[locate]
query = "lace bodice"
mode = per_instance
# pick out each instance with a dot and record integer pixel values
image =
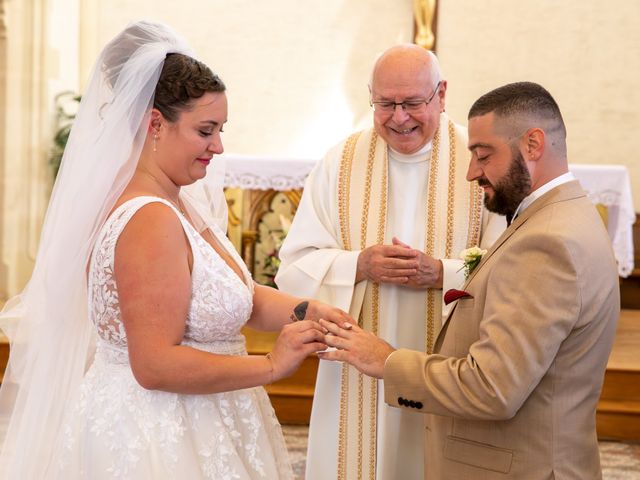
(116, 429)
(221, 302)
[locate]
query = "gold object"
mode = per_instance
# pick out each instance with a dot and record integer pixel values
(424, 13)
(451, 190)
(343, 205)
(430, 228)
(343, 200)
(475, 214)
(233, 198)
(604, 213)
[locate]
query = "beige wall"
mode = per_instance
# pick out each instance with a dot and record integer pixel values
(296, 71)
(585, 52)
(297, 74)
(25, 181)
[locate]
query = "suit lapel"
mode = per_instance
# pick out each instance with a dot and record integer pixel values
(561, 193)
(439, 339)
(566, 191)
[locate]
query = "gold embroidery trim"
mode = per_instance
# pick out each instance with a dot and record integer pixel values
(344, 188)
(343, 196)
(430, 234)
(342, 431)
(367, 191)
(373, 406)
(451, 190)
(374, 305)
(475, 214)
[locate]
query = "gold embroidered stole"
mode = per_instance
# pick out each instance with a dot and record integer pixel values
(362, 204)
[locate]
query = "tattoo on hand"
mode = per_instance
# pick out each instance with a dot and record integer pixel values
(299, 311)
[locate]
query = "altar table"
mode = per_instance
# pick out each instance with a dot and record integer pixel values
(607, 185)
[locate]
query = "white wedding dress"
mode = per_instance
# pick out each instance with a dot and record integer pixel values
(115, 429)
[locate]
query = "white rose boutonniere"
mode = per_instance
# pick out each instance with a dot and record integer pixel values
(471, 257)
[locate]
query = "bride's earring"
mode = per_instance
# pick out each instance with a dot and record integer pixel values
(155, 139)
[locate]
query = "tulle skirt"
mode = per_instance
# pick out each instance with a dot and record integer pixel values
(118, 430)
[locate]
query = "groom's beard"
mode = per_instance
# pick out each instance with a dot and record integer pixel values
(510, 189)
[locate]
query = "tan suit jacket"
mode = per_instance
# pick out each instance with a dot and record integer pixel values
(511, 391)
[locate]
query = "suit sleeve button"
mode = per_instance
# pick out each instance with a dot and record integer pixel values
(412, 404)
(418, 405)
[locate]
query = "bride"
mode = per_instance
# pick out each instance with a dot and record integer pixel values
(149, 378)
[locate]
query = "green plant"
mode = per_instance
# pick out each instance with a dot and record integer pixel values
(66, 104)
(272, 259)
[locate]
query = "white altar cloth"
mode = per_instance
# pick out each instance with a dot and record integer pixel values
(608, 185)
(264, 173)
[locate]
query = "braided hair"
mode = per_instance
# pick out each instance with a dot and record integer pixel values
(182, 80)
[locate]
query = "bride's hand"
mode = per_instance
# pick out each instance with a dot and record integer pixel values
(296, 342)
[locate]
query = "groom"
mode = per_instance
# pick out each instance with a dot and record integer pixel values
(512, 388)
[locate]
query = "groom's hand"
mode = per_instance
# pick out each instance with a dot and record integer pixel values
(357, 347)
(314, 310)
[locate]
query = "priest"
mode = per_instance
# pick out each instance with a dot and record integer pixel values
(378, 232)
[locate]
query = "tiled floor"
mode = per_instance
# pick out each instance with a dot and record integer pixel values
(296, 438)
(620, 461)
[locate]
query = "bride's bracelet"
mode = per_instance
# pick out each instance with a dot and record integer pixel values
(271, 369)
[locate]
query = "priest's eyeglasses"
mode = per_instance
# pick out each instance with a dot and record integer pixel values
(410, 106)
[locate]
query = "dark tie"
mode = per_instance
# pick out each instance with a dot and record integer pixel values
(509, 218)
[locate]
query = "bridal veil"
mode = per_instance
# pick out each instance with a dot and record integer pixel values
(47, 324)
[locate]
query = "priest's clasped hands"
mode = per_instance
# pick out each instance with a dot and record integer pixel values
(399, 264)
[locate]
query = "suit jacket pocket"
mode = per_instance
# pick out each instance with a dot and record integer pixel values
(478, 454)
(460, 331)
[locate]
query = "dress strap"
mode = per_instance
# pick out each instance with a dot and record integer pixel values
(121, 215)
(119, 218)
